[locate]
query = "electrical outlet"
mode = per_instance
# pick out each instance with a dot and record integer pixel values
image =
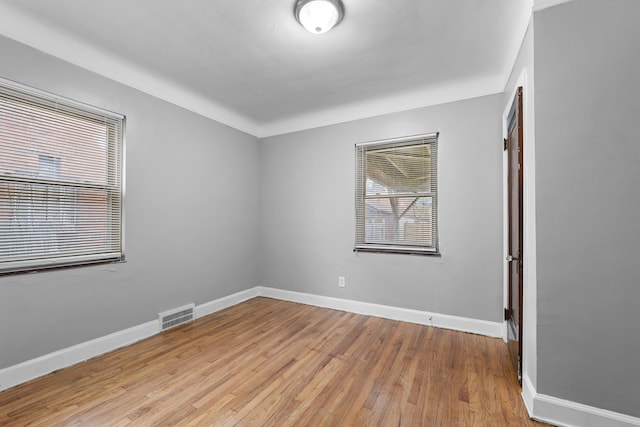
(341, 282)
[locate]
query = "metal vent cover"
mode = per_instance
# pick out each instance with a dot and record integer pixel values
(177, 316)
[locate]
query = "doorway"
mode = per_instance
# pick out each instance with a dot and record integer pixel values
(515, 168)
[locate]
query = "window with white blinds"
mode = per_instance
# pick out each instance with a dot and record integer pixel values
(397, 195)
(60, 181)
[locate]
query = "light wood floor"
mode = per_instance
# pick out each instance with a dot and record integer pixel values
(273, 363)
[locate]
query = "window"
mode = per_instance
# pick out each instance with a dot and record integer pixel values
(60, 181)
(397, 195)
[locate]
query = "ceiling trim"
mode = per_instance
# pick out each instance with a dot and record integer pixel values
(544, 4)
(59, 43)
(27, 30)
(442, 94)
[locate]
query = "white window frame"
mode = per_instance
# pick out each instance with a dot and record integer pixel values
(15, 260)
(362, 242)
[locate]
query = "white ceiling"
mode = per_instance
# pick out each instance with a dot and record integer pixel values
(249, 64)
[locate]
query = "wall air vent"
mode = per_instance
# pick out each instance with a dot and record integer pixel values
(177, 316)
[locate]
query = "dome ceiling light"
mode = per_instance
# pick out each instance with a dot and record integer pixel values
(319, 16)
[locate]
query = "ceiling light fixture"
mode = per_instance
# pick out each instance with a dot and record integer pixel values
(319, 16)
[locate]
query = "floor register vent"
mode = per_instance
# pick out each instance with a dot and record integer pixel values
(177, 316)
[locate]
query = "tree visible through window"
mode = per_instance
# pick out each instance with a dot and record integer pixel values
(396, 195)
(60, 181)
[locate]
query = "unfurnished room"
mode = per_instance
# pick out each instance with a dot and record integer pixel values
(319, 213)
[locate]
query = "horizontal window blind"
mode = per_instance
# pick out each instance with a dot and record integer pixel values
(60, 181)
(396, 195)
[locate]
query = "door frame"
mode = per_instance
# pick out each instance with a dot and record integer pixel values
(515, 290)
(529, 344)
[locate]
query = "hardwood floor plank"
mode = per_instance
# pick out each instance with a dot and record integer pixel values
(274, 363)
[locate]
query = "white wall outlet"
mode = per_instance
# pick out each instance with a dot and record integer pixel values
(341, 282)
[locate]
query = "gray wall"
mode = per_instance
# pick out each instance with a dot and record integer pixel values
(308, 217)
(190, 232)
(587, 60)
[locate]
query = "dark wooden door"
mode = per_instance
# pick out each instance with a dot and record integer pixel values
(514, 258)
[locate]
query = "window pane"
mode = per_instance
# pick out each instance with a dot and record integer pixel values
(36, 142)
(38, 221)
(405, 169)
(399, 221)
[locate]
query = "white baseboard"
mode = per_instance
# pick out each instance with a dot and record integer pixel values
(528, 393)
(34, 368)
(482, 327)
(541, 407)
(225, 302)
(566, 413)
(43, 365)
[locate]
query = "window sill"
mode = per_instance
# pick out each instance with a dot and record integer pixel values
(77, 264)
(397, 250)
